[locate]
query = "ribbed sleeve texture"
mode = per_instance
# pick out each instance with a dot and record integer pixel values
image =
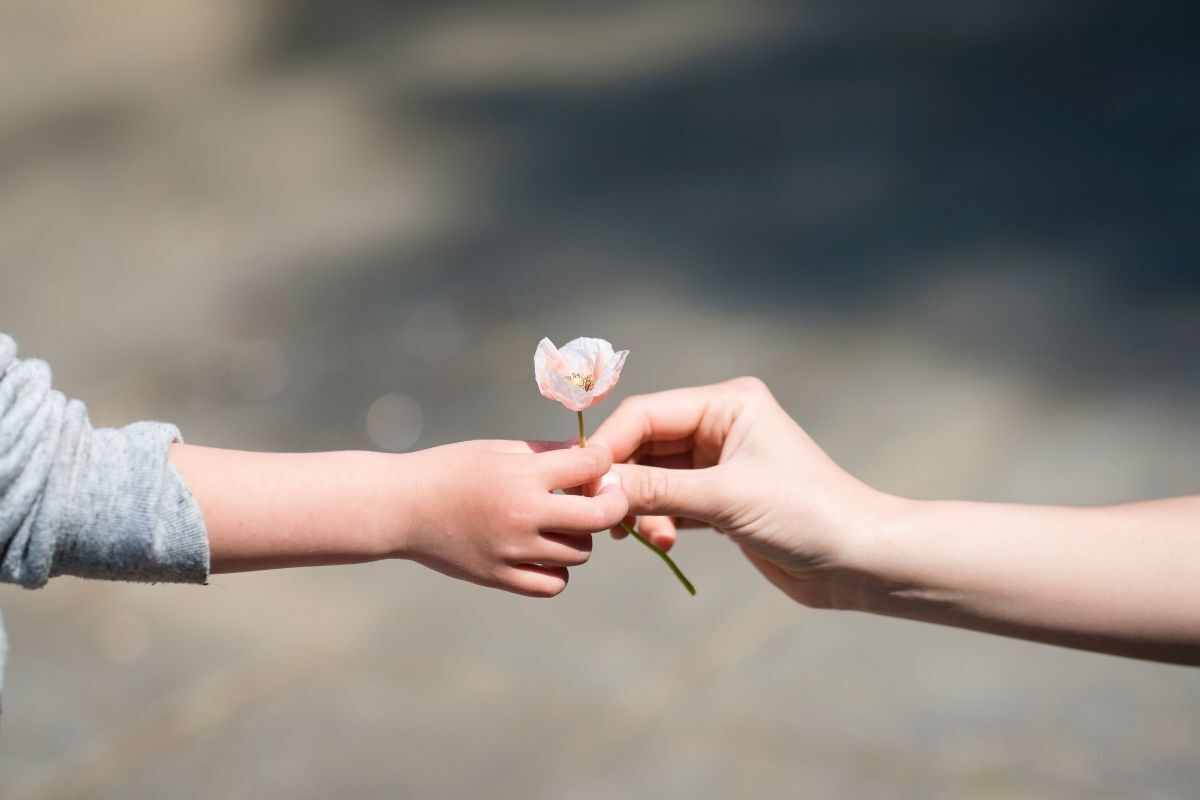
(97, 503)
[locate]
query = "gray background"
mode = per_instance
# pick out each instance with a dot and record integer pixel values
(958, 240)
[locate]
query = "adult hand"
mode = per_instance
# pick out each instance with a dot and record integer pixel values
(1119, 579)
(728, 456)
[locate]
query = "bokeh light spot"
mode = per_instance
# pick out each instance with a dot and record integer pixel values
(394, 422)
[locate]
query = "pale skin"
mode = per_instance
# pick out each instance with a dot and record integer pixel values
(481, 511)
(1122, 579)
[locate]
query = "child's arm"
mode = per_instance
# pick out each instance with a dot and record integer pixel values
(480, 511)
(111, 503)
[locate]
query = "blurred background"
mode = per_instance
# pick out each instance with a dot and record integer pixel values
(958, 239)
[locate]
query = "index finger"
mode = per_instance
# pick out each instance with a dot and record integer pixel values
(563, 468)
(673, 415)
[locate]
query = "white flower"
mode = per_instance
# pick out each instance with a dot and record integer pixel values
(579, 375)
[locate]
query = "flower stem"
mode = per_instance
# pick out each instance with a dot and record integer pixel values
(633, 532)
(661, 554)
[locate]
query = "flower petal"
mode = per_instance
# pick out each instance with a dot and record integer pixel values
(608, 375)
(585, 354)
(547, 362)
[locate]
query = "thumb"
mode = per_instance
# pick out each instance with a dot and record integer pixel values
(691, 493)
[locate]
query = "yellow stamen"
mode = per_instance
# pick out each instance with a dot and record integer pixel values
(585, 382)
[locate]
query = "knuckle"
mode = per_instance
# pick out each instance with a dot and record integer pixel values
(660, 488)
(750, 384)
(507, 552)
(631, 408)
(652, 488)
(517, 518)
(630, 403)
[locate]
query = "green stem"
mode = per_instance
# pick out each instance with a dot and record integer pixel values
(633, 532)
(661, 554)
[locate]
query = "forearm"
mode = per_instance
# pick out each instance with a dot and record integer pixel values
(1123, 579)
(269, 510)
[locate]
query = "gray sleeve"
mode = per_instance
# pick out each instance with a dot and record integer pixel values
(97, 503)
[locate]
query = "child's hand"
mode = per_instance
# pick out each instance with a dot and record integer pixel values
(485, 512)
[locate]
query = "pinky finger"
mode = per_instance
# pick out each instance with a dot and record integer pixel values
(534, 580)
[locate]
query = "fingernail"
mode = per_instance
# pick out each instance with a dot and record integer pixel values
(610, 479)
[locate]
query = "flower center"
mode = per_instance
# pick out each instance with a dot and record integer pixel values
(585, 382)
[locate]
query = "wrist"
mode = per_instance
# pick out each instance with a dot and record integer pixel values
(869, 558)
(394, 518)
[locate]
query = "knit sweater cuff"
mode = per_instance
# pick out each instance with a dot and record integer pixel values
(182, 531)
(134, 518)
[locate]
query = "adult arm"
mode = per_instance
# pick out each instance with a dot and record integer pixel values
(1121, 579)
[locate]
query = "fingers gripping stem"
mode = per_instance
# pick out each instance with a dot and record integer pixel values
(633, 532)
